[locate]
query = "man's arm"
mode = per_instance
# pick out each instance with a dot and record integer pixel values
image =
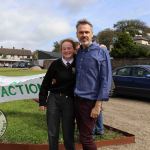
(105, 84)
(105, 76)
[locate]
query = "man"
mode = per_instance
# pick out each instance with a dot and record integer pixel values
(93, 81)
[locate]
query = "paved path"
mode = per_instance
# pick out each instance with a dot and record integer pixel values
(132, 116)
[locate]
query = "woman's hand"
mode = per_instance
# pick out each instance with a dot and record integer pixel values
(42, 108)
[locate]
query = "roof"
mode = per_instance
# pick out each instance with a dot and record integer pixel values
(143, 66)
(48, 55)
(53, 54)
(13, 51)
(137, 38)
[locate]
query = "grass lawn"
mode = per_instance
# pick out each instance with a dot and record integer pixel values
(19, 72)
(26, 124)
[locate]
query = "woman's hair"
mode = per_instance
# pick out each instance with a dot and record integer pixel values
(68, 40)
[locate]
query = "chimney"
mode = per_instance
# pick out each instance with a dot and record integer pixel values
(1, 47)
(22, 48)
(13, 47)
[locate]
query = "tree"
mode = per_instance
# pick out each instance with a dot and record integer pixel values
(106, 37)
(132, 26)
(143, 50)
(35, 55)
(124, 46)
(56, 47)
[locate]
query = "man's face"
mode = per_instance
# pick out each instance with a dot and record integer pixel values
(84, 34)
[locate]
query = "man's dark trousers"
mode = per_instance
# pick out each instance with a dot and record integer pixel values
(85, 123)
(60, 108)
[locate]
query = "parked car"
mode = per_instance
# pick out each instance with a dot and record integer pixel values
(132, 80)
(21, 64)
(24, 64)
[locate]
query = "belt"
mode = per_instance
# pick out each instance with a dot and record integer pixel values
(61, 94)
(82, 98)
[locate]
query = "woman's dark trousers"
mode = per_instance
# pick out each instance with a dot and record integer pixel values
(60, 110)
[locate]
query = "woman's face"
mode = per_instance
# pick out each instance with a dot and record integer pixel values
(67, 50)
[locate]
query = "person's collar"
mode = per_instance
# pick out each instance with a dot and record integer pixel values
(81, 47)
(69, 61)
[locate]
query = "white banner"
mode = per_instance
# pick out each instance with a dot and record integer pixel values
(18, 88)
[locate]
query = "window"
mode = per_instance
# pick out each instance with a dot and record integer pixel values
(139, 72)
(124, 71)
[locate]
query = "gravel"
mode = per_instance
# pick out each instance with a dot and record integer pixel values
(132, 116)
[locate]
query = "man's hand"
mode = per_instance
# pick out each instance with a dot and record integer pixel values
(42, 108)
(96, 110)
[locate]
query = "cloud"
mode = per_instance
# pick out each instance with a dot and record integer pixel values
(29, 28)
(75, 6)
(38, 24)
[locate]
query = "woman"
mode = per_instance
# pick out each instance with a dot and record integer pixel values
(59, 81)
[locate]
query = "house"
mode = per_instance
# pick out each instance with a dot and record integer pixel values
(45, 58)
(10, 55)
(141, 40)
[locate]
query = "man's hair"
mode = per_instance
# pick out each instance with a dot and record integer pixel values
(83, 21)
(68, 40)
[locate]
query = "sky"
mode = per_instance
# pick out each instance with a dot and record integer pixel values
(37, 24)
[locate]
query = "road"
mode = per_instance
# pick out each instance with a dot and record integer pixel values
(130, 115)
